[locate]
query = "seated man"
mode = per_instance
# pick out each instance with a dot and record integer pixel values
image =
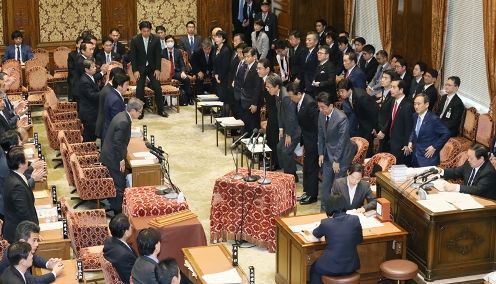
(355, 190)
(18, 51)
(21, 259)
(29, 232)
(116, 250)
(167, 272)
(143, 271)
(479, 176)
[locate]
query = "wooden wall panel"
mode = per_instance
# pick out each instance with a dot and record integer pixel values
(214, 13)
(21, 15)
(119, 14)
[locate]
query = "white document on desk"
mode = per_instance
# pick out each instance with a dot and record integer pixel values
(144, 162)
(51, 226)
(437, 205)
(40, 194)
(229, 276)
(143, 155)
(459, 200)
(366, 222)
(212, 103)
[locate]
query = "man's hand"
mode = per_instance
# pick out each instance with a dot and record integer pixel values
(52, 262)
(38, 164)
(136, 75)
(321, 160)
(157, 75)
(201, 75)
(104, 68)
(253, 108)
(38, 174)
(122, 166)
(23, 121)
(406, 150)
(57, 269)
(360, 210)
(287, 141)
(316, 84)
(20, 107)
(429, 152)
(217, 79)
(380, 135)
(450, 187)
(369, 90)
(281, 133)
(335, 167)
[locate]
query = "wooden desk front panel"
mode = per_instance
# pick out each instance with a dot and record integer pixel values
(55, 249)
(148, 175)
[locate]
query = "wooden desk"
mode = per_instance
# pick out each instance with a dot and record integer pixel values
(294, 255)
(143, 175)
(446, 244)
(68, 275)
(54, 245)
(209, 259)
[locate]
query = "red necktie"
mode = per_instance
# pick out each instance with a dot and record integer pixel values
(395, 108)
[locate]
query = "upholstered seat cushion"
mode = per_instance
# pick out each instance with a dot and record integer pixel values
(347, 279)
(399, 269)
(90, 257)
(142, 201)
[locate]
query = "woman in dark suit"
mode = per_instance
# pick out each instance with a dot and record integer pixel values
(342, 233)
(221, 62)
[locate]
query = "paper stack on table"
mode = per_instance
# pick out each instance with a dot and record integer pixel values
(459, 200)
(366, 222)
(211, 97)
(226, 277)
(399, 173)
(51, 226)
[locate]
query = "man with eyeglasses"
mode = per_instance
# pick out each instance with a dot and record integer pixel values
(325, 75)
(451, 108)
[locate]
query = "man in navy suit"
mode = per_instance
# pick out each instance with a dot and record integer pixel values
(310, 63)
(352, 72)
(18, 51)
(117, 46)
(19, 254)
(143, 271)
(269, 19)
(428, 136)
(190, 42)
(116, 249)
(114, 101)
(100, 120)
(174, 55)
(355, 190)
(401, 69)
(106, 55)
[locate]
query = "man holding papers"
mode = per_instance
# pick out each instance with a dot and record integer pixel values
(479, 176)
(355, 190)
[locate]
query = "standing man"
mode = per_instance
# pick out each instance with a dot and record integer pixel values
(190, 42)
(88, 99)
(401, 69)
(114, 149)
(269, 19)
(296, 56)
(335, 148)
(18, 51)
(100, 120)
(428, 136)
(114, 101)
(428, 88)
(145, 63)
(418, 78)
(282, 59)
(117, 46)
(71, 70)
(368, 62)
(325, 75)
(353, 73)
(374, 87)
(251, 89)
(310, 62)
(307, 116)
(451, 107)
(320, 26)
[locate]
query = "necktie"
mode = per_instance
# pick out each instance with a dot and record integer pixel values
(248, 10)
(173, 66)
(471, 178)
(308, 55)
(162, 43)
(18, 53)
(395, 108)
(240, 10)
(327, 121)
(108, 58)
(264, 16)
(146, 45)
(445, 106)
(114, 47)
(417, 127)
(191, 41)
(347, 73)
(351, 102)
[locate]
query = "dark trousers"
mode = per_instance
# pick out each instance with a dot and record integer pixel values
(251, 120)
(272, 140)
(311, 172)
(120, 184)
(285, 156)
(155, 85)
(88, 130)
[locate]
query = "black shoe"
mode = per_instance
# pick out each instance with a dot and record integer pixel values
(303, 196)
(308, 200)
(296, 178)
(191, 102)
(163, 113)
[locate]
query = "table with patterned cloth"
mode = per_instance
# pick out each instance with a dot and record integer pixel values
(247, 210)
(142, 201)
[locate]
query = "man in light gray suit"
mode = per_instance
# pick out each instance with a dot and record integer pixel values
(143, 271)
(355, 190)
(374, 87)
(336, 150)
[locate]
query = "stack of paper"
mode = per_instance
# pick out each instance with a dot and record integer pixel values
(235, 122)
(145, 155)
(40, 194)
(304, 227)
(211, 103)
(230, 276)
(436, 205)
(135, 163)
(51, 226)
(135, 132)
(461, 201)
(210, 97)
(399, 173)
(366, 222)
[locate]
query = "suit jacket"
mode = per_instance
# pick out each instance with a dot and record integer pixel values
(143, 271)
(101, 109)
(310, 63)
(6, 124)
(342, 234)
(119, 49)
(221, 63)
(88, 97)
(286, 116)
(431, 91)
(408, 81)
(185, 45)
(270, 24)
(335, 140)
(71, 70)
(297, 61)
(357, 78)
(366, 111)
(121, 256)
(139, 56)
(336, 57)
(369, 68)
(385, 109)
(452, 117)
(26, 52)
(38, 261)
(199, 62)
(326, 75)
(432, 133)
(178, 59)
(9, 111)
(375, 83)
(414, 86)
(484, 183)
(114, 103)
(261, 43)
(101, 57)
(401, 128)
(251, 88)
(12, 276)
(362, 193)
(308, 117)
(19, 204)
(114, 148)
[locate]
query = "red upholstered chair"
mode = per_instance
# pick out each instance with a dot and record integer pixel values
(469, 129)
(60, 72)
(386, 159)
(37, 84)
(449, 152)
(485, 130)
(363, 146)
(3, 247)
(54, 127)
(169, 86)
(109, 273)
(13, 67)
(54, 106)
(131, 93)
(88, 230)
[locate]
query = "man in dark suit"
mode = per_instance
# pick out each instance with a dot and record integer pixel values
(428, 136)
(21, 259)
(297, 55)
(116, 249)
(368, 63)
(251, 88)
(353, 73)
(428, 88)
(101, 101)
(18, 51)
(355, 190)
(17, 195)
(479, 176)
(385, 102)
(145, 62)
(359, 44)
(320, 26)
(178, 71)
(361, 110)
(325, 75)
(202, 65)
(237, 70)
(401, 69)
(190, 42)
(107, 55)
(336, 55)
(29, 232)
(344, 45)
(374, 87)
(307, 116)
(451, 107)
(143, 271)
(114, 148)
(418, 78)
(310, 62)
(336, 150)
(7, 124)
(400, 124)
(269, 19)
(88, 99)
(71, 69)
(87, 50)
(250, 9)
(117, 46)
(114, 101)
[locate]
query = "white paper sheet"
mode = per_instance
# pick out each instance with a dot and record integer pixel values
(366, 222)
(51, 226)
(135, 163)
(230, 276)
(143, 155)
(436, 205)
(40, 194)
(461, 201)
(213, 103)
(304, 227)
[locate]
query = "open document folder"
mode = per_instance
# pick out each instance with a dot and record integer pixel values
(230, 276)
(448, 201)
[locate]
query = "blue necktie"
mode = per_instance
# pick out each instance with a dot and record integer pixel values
(417, 127)
(240, 10)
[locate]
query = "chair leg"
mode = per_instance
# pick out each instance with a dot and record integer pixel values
(79, 203)
(58, 162)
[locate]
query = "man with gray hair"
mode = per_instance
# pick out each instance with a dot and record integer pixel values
(114, 148)
(202, 64)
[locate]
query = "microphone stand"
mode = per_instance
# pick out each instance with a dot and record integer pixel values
(264, 180)
(249, 177)
(237, 175)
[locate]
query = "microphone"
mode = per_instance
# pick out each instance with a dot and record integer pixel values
(260, 131)
(239, 139)
(153, 148)
(252, 134)
(158, 155)
(432, 170)
(431, 180)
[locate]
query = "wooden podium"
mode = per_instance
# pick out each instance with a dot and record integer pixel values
(143, 175)
(443, 244)
(294, 255)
